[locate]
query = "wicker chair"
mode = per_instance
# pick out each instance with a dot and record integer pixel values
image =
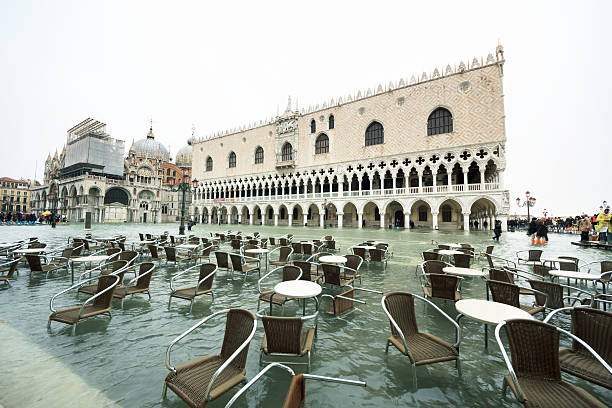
(110, 268)
(272, 241)
(307, 249)
(204, 379)
(421, 348)
(431, 256)
(62, 259)
(239, 265)
(343, 301)
(290, 272)
(283, 241)
(331, 245)
(535, 374)
(206, 250)
(297, 248)
(9, 267)
(379, 255)
(532, 256)
(361, 252)
(441, 286)
(286, 336)
(77, 249)
(143, 280)
(353, 263)
(154, 251)
(307, 273)
(284, 255)
(236, 244)
(172, 257)
(296, 394)
(595, 328)
(554, 298)
(222, 260)
(335, 275)
(462, 260)
(203, 286)
(38, 264)
(509, 293)
(100, 303)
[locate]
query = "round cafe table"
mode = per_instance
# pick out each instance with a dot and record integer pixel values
(86, 259)
(487, 312)
(453, 245)
(333, 259)
(574, 275)
(449, 252)
(29, 251)
(465, 272)
(259, 252)
(298, 289)
(366, 247)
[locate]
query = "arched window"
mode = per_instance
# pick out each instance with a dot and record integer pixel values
(330, 124)
(287, 152)
(313, 126)
(232, 160)
(209, 163)
(322, 144)
(374, 134)
(447, 214)
(440, 121)
(259, 155)
(168, 172)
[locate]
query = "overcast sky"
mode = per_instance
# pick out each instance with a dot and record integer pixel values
(218, 65)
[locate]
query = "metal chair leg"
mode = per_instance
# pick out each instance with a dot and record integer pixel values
(74, 329)
(387, 348)
(169, 301)
(191, 305)
(164, 390)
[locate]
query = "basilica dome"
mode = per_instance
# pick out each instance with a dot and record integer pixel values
(184, 155)
(150, 147)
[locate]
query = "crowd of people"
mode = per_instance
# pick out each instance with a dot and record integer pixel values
(19, 218)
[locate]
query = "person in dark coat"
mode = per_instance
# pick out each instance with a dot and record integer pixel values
(532, 227)
(541, 230)
(497, 230)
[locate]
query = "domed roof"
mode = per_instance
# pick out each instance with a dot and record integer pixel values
(184, 155)
(150, 147)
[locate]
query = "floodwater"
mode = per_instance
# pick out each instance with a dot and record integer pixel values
(120, 361)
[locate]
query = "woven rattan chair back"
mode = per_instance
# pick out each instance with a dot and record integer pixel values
(170, 253)
(236, 262)
(296, 393)
(361, 252)
(36, 245)
(222, 261)
(431, 256)
(104, 301)
(206, 250)
(534, 347)
(571, 265)
(205, 270)
(77, 248)
(307, 249)
(66, 252)
(434, 267)
(291, 272)
(489, 250)
(306, 268)
(503, 292)
(297, 247)
(141, 236)
(377, 255)
(401, 307)
(353, 261)
(462, 260)
(328, 238)
(331, 244)
(541, 270)
(272, 241)
(594, 326)
(443, 286)
(113, 251)
(153, 251)
(129, 256)
(442, 246)
(253, 242)
(238, 327)
(283, 241)
(284, 254)
(144, 278)
(534, 255)
(34, 263)
(331, 273)
(236, 244)
(283, 334)
(342, 305)
(149, 237)
(552, 289)
(500, 275)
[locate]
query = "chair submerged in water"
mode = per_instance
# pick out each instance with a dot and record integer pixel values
(199, 381)
(296, 394)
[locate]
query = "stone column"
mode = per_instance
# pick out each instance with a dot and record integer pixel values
(382, 221)
(420, 182)
(407, 220)
(434, 215)
(500, 180)
(435, 180)
(340, 219)
(466, 221)
(251, 215)
(359, 220)
(321, 220)
(448, 179)
(465, 178)
(340, 187)
(504, 221)
(290, 216)
(482, 179)
(239, 218)
(275, 219)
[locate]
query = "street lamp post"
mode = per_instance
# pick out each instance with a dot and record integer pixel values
(183, 188)
(529, 202)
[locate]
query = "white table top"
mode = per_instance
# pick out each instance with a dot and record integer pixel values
(105, 239)
(257, 251)
(368, 247)
(552, 259)
(7, 245)
(449, 252)
(180, 236)
(300, 289)
(91, 258)
(489, 312)
(453, 245)
(452, 270)
(29, 251)
(187, 246)
(147, 242)
(574, 275)
(335, 259)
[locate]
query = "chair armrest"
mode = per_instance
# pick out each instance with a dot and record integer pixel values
(182, 273)
(138, 276)
(453, 322)
(76, 285)
(185, 333)
(265, 276)
(519, 391)
(394, 324)
(111, 287)
(204, 279)
(255, 379)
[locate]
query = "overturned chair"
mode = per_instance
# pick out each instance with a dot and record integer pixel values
(9, 267)
(99, 303)
(203, 286)
(296, 394)
(346, 300)
(199, 381)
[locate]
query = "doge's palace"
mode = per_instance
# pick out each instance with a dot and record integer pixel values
(427, 152)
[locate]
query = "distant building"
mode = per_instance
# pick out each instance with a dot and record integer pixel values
(93, 174)
(15, 195)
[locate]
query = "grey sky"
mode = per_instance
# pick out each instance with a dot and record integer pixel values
(223, 64)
